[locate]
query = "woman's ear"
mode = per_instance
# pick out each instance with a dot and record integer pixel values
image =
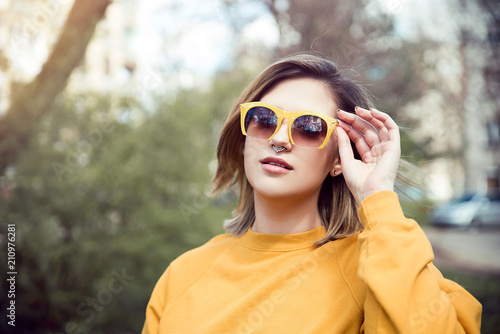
(336, 167)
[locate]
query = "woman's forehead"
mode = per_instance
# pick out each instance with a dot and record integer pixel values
(302, 94)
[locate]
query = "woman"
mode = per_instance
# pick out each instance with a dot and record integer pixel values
(319, 243)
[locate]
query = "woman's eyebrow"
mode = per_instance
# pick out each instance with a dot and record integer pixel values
(305, 110)
(275, 105)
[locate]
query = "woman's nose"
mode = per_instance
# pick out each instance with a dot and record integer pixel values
(281, 137)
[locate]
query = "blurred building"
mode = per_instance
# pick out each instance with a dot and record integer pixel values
(110, 62)
(460, 116)
(481, 51)
(492, 81)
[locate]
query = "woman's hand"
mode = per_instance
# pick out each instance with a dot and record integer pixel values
(377, 141)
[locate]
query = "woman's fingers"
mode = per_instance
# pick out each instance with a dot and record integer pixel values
(363, 134)
(357, 138)
(345, 150)
(374, 122)
(368, 129)
(376, 138)
(360, 124)
(375, 125)
(388, 124)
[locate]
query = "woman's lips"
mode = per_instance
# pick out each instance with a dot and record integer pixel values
(275, 165)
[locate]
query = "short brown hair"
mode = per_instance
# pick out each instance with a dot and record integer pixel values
(336, 205)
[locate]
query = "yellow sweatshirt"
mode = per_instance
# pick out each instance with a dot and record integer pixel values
(379, 281)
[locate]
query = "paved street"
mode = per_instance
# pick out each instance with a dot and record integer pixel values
(473, 251)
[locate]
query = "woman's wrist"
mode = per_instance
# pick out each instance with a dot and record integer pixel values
(362, 194)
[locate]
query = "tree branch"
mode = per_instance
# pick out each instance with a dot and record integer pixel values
(30, 101)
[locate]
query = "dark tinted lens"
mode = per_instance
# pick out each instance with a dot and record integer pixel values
(260, 122)
(309, 130)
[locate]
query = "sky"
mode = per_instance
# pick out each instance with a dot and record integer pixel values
(198, 33)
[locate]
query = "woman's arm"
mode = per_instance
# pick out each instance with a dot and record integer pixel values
(406, 293)
(156, 305)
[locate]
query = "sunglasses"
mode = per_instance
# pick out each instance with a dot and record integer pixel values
(306, 128)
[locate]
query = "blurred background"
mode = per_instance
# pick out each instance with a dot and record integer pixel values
(110, 112)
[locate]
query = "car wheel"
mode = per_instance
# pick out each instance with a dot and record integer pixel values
(475, 224)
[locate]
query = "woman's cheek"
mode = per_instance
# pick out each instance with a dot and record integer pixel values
(250, 158)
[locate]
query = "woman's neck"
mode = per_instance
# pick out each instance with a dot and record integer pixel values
(293, 215)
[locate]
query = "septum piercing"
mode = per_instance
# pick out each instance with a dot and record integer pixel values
(279, 149)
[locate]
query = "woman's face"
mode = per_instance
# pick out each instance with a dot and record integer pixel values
(308, 166)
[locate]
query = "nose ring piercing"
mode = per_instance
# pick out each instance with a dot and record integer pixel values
(278, 149)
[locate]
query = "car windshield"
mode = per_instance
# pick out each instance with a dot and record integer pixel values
(463, 198)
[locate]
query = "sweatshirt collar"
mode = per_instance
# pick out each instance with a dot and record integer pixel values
(281, 242)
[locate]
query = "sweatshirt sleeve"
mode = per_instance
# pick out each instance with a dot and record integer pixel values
(406, 293)
(156, 305)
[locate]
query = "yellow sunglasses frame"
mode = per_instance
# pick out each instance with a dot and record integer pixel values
(291, 116)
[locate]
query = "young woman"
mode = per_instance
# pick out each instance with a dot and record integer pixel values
(319, 243)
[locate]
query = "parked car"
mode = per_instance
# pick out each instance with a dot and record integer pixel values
(471, 210)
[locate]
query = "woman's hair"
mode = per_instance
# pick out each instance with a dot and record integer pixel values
(336, 205)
